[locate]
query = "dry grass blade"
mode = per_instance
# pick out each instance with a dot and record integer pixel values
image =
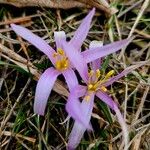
(64, 4)
(3, 123)
(20, 127)
(19, 20)
(136, 141)
(129, 8)
(143, 8)
(101, 5)
(30, 139)
(140, 108)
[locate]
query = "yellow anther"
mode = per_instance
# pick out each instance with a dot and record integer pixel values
(96, 80)
(62, 64)
(90, 87)
(58, 65)
(109, 74)
(104, 89)
(98, 73)
(55, 54)
(62, 61)
(65, 63)
(87, 98)
(60, 51)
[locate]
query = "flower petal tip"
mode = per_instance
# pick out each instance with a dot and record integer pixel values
(15, 27)
(70, 148)
(93, 9)
(38, 110)
(92, 12)
(39, 113)
(60, 34)
(12, 24)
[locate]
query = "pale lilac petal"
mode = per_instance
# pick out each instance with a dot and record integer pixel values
(108, 100)
(82, 31)
(80, 90)
(91, 55)
(43, 89)
(76, 136)
(87, 106)
(124, 127)
(96, 63)
(77, 60)
(35, 40)
(74, 109)
(78, 129)
(70, 78)
(59, 37)
(115, 78)
(120, 75)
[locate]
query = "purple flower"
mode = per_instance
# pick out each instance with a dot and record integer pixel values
(96, 85)
(62, 64)
(62, 59)
(67, 56)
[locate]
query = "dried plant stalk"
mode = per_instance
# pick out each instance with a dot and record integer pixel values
(100, 4)
(64, 4)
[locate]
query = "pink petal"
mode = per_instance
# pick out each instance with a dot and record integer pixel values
(124, 127)
(74, 108)
(43, 89)
(38, 42)
(120, 75)
(80, 91)
(59, 37)
(79, 129)
(96, 63)
(91, 55)
(106, 99)
(77, 60)
(76, 135)
(82, 31)
(70, 78)
(87, 106)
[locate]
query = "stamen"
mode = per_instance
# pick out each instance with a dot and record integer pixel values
(58, 65)
(104, 89)
(96, 80)
(109, 74)
(90, 86)
(60, 51)
(65, 63)
(55, 55)
(98, 73)
(62, 61)
(87, 98)
(62, 64)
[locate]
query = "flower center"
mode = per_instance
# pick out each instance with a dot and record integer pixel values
(96, 79)
(62, 62)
